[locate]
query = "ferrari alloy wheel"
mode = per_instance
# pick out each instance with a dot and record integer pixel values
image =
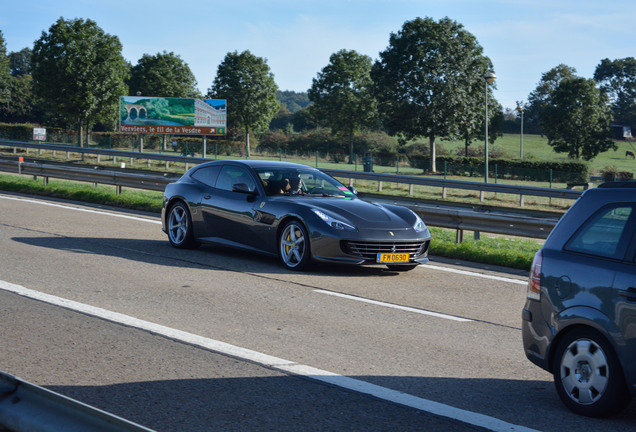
(293, 246)
(587, 375)
(180, 227)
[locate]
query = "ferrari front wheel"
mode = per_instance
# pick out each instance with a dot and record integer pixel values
(293, 246)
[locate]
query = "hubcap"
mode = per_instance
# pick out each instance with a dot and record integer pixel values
(584, 371)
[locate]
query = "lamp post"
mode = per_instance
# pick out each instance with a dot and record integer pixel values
(489, 78)
(520, 111)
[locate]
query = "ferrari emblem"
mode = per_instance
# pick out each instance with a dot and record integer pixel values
(262, 204)
(391, 232)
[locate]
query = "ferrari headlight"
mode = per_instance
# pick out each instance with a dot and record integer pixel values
(334, 223)
(419, 225)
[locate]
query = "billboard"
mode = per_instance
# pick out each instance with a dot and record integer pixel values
(178, 116)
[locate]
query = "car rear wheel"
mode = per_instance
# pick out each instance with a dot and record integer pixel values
(180, 231)
(588, 376)
(293, 246)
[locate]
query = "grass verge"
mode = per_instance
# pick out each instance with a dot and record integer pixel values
(129, 199)
(494, 250)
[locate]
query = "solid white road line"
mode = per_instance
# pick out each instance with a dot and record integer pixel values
(155, 221)
(282, 365)
(475, 274)
(80, 209)
(393, 306)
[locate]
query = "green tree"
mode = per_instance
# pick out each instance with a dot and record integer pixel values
(16, 102)
(247, 84)
(163, 75)
(471, 117)
(293, 101)
(429, 79)
(78, 74)
(617, 79)
(539, 98)
(20, 62)
(5, 79)
(20, 107)
(577, 119)
(4, 58)
(342, 95)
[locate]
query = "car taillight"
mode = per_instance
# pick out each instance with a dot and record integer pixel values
(534, 283)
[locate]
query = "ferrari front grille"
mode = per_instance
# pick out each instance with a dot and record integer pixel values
(370, 249)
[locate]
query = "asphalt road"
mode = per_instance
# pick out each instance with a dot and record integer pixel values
(96, 305)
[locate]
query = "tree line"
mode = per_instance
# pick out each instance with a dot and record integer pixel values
(428, 84)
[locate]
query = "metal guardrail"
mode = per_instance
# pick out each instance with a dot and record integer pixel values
(97, 176)
(481, 220)
(25, 407)
(458, 184)
(444, 184)
(460, 219)
(104, 152)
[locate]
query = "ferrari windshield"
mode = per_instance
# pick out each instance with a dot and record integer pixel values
(300, 181)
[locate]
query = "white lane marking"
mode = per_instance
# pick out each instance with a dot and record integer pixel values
(46, 203)
(426, 266)
(276, 363)
(394, 306)
(469, 273)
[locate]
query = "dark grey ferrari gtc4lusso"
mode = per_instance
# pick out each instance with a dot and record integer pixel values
(292, 211)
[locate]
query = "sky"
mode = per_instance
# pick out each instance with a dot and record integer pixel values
(523, 39)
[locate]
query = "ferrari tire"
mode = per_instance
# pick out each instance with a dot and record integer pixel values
(587, 375)
(293, 246)
(179, 224)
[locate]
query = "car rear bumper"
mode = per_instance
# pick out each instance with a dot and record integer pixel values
(536, 336)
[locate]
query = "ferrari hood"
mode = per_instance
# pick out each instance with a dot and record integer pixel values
(359, 213)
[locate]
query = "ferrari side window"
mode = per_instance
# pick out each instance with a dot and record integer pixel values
(231, 175)
(207, 175)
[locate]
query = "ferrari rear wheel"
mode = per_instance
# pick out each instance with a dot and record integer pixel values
(180, 231)
(293, 246)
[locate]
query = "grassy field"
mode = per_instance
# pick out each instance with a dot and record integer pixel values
(535, 147)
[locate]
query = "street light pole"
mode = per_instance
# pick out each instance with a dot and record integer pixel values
(489, 78)
(520, 110)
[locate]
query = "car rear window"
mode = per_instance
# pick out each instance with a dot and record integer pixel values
(604, 234)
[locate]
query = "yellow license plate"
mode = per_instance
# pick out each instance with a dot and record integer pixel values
(393, 257)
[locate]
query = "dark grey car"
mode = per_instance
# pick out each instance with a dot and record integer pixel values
(579, 320)
(292, 211)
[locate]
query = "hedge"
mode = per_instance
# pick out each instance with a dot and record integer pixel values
(545, 171)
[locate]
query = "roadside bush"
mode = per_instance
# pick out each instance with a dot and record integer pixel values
(561, 172)
(612, 174)
(273, 141)
(24, 132)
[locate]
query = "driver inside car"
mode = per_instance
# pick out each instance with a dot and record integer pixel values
(292, 186)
